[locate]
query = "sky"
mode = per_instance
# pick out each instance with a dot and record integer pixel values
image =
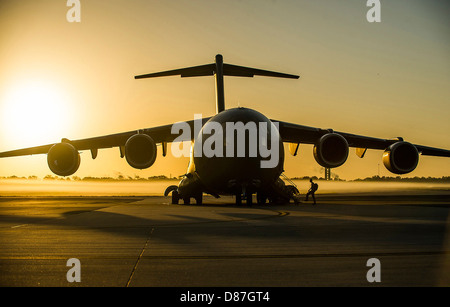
(74, 80)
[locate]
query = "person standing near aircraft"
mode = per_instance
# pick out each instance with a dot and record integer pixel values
(312, 190)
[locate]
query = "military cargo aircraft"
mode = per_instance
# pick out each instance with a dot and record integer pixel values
(238, 151)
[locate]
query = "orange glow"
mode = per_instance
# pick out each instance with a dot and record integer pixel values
(75, 80)
(34, 112)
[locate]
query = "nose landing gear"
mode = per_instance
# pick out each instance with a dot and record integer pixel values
(248, 196)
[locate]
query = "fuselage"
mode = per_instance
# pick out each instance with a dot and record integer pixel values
(237, 151)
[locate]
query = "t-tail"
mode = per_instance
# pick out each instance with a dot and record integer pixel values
(218, 69)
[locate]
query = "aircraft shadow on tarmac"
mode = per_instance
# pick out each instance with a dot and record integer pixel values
(255, 224)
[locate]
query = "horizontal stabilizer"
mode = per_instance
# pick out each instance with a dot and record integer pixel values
(196, 71)
(210, 69)
(240, 71)
(218, 69)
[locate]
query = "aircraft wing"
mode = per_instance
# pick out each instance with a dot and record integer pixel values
(293, 133)
(290, 133)
(160, 134)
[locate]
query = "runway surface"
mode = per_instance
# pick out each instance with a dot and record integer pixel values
(145, 241)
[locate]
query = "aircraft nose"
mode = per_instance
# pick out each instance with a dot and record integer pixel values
(236, 147)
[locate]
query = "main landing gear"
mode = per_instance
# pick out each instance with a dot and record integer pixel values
(187, 200)
(261, 199)
(176, 196)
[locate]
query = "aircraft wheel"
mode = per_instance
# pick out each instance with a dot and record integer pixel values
(261, 199)
(199, 199)
(249, 199)
(175, 197)
(238, 199)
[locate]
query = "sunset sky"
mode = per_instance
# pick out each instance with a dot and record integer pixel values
(75, 80)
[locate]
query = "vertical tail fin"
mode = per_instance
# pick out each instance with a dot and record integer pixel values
(218, 69)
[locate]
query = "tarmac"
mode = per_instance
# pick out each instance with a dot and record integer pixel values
(148, 242)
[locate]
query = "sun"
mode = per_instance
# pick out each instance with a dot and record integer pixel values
(34, 113)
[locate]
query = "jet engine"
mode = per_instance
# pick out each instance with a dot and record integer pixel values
(401, 158)
(331, 150)
(63, 159)
(140, 151)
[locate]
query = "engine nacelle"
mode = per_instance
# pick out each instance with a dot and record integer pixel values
(331, 150)
(63, 159)
(140, 151)
(401, 158)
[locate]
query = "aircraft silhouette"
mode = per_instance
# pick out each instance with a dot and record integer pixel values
(240, 171)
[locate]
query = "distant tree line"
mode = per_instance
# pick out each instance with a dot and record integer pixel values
(90, 178)
(336, 178)
(406, 179)
(163, 177)
(383, 178)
